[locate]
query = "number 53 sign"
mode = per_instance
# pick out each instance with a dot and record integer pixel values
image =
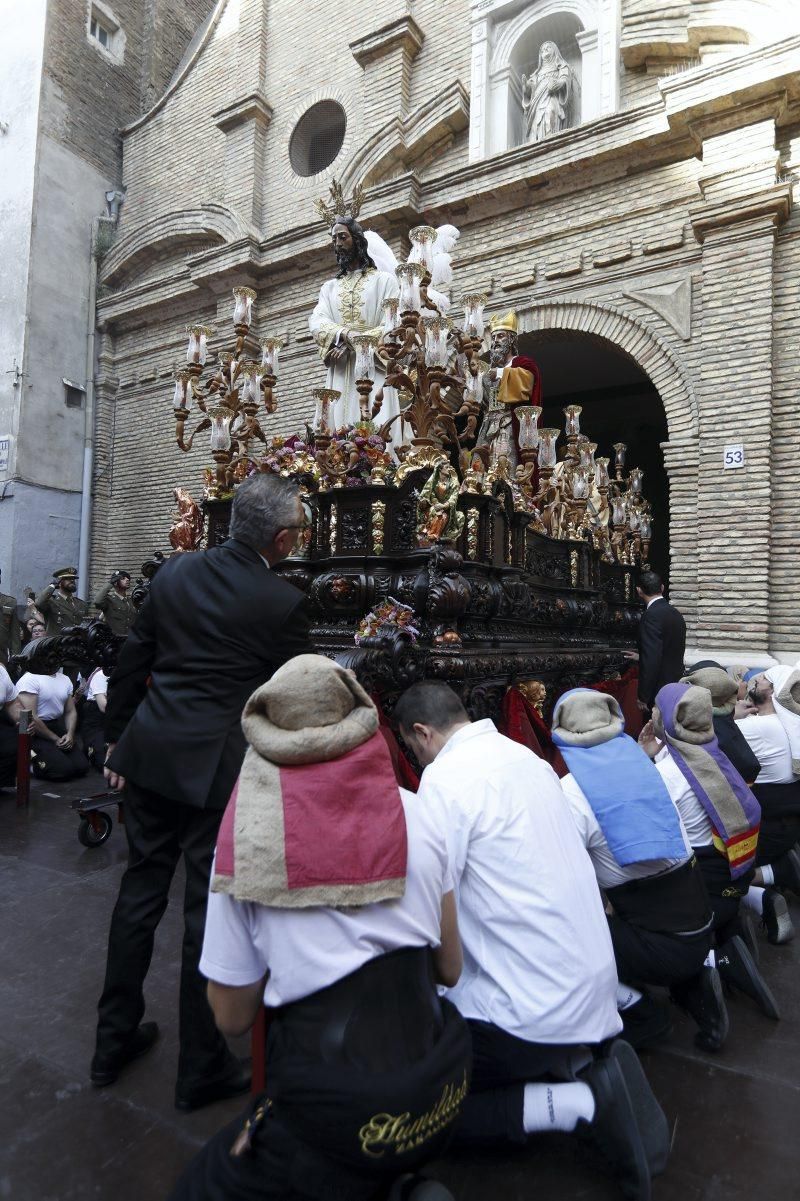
(733, 457)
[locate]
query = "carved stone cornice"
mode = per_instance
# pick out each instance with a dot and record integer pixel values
(404, 33)
(248, 108)
(772, 205)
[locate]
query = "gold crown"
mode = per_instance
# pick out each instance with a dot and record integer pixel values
(339, 207)
(509, 322)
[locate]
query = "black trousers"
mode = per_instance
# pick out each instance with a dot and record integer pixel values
(92, 734)
(777, 836)
(8, 753)
(501, 1067)
(159, 832)
(50, 762)
(644, 957)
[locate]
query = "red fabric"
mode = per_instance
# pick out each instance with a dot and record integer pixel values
(343, 819)
(520, 722)
(521, 360)
(404, 773)
(225, 861)
(625, 690)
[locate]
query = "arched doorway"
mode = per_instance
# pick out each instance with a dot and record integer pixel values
(620, 404)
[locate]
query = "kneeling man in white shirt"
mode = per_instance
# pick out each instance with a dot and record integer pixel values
(539, 983)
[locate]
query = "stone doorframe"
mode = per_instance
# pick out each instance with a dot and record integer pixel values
(670, 379)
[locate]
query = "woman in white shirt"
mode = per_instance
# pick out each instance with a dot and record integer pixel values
(47, 695)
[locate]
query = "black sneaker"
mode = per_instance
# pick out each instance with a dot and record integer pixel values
(236, 1082)
(646, 1022)
(650, 1117)
(106, 1068)
(737, 969)
(702, 998)
(614, 1130)
(786, 871)
(775, 918)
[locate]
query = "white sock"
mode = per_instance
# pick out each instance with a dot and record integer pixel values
(556, 1106)
(767, 874)
(627, 996)
(710, 959)
(754, 899)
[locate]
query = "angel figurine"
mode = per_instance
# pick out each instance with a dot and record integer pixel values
(439, 518)
(187, 529)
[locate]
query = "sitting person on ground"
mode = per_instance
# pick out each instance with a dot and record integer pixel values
(661, 919)
(539, 986)
(92, 718)
(721, 817)
(770, 723)
(724, 695)
(332, 904)
(46, 693)
(9, 716)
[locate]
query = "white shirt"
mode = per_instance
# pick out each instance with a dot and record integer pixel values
(653, 600)
(694, 817)
(769, 742)
(7, 689)
(97, 685)
(538, 959)
(307, 949)
(608, 871)
(52, 692)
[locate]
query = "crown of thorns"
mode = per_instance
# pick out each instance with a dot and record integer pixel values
(339, 207)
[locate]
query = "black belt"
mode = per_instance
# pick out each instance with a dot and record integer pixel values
(672, 902)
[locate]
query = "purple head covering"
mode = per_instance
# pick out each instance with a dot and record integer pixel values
(684, 717)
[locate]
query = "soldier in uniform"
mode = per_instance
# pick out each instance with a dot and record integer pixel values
(115, 604)
(10, 639)
(58, 603)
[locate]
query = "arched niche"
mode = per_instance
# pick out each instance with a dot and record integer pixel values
(506, 38)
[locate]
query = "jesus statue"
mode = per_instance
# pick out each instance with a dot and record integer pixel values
(352, 303)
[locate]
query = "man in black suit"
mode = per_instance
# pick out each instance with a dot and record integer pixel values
(661, 640)
(215, 626)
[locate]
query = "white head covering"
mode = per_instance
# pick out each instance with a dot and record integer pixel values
(785, 683)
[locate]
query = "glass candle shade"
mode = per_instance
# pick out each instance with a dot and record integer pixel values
(325, 398)
(601, 477)
(586, 451)
(422, 240)
(391, 314)
(635, 481)
(646, 528)
(547, 447)
(528, 416)
(572, 423)
(269, 355)
(197, 349)
(620, 451)
(473, 388)
(474, 303)
(502, 446)
(364, 345)
(221, 417)
(436, 331)
(408, 276)
(580, 483)
(243, 305)
(618, 515)
(633, 519)
(182, 396)
(250, 383)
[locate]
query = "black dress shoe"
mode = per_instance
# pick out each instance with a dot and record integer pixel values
(737, 969)
(645, 1023)
(417, 1188)
(775, 918)
(748, 933)
(650, 1117)
(702, 998)
(105, 1068)
(232, 1085)
(786, 871)
(614, 1130)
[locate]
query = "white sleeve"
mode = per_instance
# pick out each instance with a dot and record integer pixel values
(230, 955)
(455, 824)
(27, 683)
(7, 690)
(580, 809)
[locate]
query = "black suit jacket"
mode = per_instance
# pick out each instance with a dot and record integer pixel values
(215, 626)
(662, 646)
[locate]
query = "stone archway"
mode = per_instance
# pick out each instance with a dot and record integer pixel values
(664, 371)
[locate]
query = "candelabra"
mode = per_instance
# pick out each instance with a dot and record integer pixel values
(230, 399)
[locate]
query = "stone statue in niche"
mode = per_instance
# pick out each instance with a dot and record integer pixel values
(548, 94)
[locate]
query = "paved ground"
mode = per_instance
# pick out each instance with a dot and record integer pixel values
(735, 1117)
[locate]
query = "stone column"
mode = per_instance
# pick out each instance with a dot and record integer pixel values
(736, 223)
(106, 385)
(590, 74)
(479, 86)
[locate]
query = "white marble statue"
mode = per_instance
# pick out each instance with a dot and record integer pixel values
(352, 303)
(548, 94)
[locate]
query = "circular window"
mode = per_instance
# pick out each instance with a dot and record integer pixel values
(317, 138)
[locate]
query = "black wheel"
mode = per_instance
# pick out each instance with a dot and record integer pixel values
(92, 836)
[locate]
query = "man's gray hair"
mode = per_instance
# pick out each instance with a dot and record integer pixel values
(263, 505)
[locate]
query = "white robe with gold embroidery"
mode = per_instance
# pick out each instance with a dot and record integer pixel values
(352, 304)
